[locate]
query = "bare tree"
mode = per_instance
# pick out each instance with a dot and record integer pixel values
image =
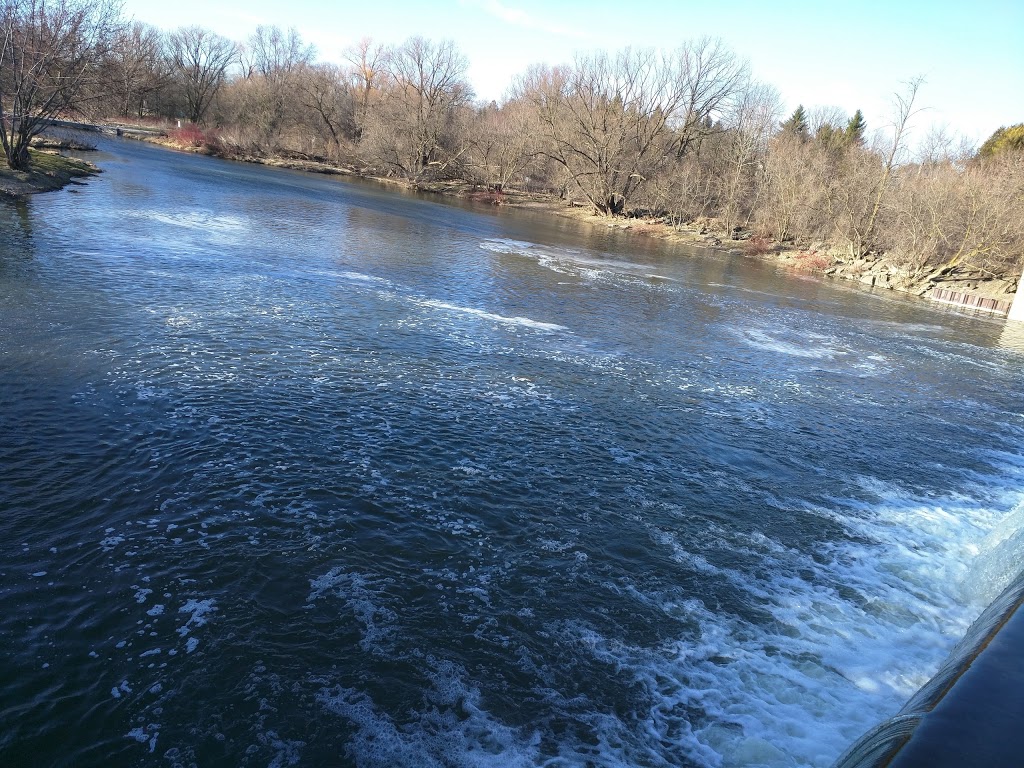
(275, 54)
(892, 155)
(50, 51)
(415, 132)
(201, 59)
(614, 122)
(367, 60)
(940, 146)
(265, 103)
(604, 119)
(325, 93)
(802, 189)
(709, 75)
(136, 67)
(504, 143)
(750, 124)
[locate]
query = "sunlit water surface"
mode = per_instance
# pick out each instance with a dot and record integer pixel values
(299, 472)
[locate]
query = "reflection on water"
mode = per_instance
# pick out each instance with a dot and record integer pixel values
(304, 472)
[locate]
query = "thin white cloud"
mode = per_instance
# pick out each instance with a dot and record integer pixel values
(520, 18)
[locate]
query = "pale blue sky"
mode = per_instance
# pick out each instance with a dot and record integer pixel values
(852, 55)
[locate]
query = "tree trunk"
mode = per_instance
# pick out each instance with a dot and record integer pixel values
(17, 156)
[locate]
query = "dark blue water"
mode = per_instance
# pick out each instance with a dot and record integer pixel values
(299, 472)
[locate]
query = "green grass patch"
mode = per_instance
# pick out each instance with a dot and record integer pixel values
(48, 171)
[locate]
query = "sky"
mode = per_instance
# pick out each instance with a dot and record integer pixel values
(852, 55)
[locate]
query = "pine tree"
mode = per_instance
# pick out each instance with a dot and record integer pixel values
(797, 123)
(830, 137)
(855, 128)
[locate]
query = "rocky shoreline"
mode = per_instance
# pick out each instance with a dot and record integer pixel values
(978, 289)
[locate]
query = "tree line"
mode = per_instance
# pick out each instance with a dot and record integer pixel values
(687, 135)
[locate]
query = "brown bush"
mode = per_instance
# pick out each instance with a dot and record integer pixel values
(813, 260)
(758, 245)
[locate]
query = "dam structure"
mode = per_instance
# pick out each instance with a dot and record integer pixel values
(970, 713)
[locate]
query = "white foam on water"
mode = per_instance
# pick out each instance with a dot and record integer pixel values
(147, 735)
(199, 614)
(179, 321)
(449, 730)
(999, 559)
(286, 751)
(850, 633)
(111, 541)
(851, 644)
(754, 291)
(807, 345)
(951, 352)
(206, 221)
(507, 245)
(910, 329)
(363, 596)
(357, 277)
(572, 261)
(850, 640)
(523, 322)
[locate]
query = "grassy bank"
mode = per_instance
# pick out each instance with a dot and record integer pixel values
(48, 171)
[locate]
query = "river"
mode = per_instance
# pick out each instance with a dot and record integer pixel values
(295, 471)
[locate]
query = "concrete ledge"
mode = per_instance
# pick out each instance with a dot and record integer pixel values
(970, 300)
(980, 720)
(1017, 307)
(971, 713)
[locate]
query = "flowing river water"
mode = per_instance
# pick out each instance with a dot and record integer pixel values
(302, 472)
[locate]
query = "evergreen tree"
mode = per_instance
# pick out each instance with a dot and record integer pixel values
(797, 123)
(1003, 140)
(830, 136)
(855, 128)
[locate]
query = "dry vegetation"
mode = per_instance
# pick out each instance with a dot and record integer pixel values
(682, 140)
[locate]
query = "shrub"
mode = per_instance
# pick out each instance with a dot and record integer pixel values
(192, 136)
(813, 259)
(188, 135)
(758, 245)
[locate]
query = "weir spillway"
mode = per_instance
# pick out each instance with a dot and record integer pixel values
(969, 713)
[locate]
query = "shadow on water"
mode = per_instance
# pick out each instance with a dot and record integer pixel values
(16, 220)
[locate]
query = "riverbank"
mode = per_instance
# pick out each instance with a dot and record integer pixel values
(959, 285)
(49, 171)
(992, 292)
